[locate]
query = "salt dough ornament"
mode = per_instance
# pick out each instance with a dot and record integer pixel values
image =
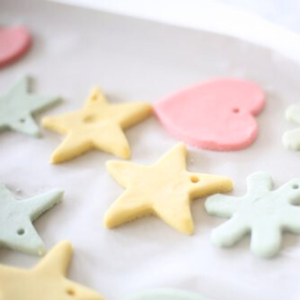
(165, 294)
(216, 115)
(46, 281)
(17, 107)
(291, 139)
(16, 217)
(164, 189)
(14, 43)
(99, 125)
(262, 212)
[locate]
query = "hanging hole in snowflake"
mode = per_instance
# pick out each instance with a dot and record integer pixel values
(295, 186)
(22, 120)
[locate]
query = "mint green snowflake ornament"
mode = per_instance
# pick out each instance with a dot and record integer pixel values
(291, 139)
(262, 212)
(17, 108)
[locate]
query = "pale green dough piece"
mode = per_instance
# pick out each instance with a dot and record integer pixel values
(262, 212)
(291, 139)
(165, 294)
(16, 217)
(18, 106)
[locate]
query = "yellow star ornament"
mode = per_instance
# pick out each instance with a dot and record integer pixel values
(46, 281)
(99, 125)
(164, 189)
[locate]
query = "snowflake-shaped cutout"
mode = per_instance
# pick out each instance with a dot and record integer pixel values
(291, 139)
(262, 212)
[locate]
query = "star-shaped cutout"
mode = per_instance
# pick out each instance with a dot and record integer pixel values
(291, 139)
(99, 125)
(18, 106)
(46, 281)
(16, 217)
(262, 212)
(164, 189)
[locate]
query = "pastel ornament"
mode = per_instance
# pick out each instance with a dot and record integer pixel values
(14, 43)
(262, 212)
(291, 139)
(165, 294)
(216, 115)
(16, 216)
(164, 189)
(46, 281)
(99, 125)
(18, 106)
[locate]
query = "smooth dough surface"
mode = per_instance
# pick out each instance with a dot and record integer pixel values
(14, 42)
(46, 281)
(165, 294)
(291, 139)
(18, 106)
(164, 189)
(99, 125)
(217, 115)
(263, 212)
(16, 217)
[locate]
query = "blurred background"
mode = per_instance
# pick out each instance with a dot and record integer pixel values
(282, 12)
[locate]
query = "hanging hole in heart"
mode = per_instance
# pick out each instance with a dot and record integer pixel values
(236, 110)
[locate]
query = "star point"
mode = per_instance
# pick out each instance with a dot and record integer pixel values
(99, 125)
(18, 106)
(164, 189)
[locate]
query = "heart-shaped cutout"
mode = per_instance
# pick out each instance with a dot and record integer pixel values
(14, 42)
(217, 115)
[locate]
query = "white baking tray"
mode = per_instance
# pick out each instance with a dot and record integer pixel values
(75, 49)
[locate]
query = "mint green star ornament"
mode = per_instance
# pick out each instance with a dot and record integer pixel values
(16, 217)
(18, 106)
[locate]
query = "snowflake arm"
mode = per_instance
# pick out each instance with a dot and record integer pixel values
(222, 206)
(291, 138)
(258, 183)
(230, 232)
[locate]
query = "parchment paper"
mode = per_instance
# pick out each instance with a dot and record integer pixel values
(75, 49)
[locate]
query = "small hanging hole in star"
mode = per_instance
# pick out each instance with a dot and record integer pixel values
(70, 292)
(21, 231)
(194, 179)
(236, 110)
(89, 119)
(94, 98)
(295, 186)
